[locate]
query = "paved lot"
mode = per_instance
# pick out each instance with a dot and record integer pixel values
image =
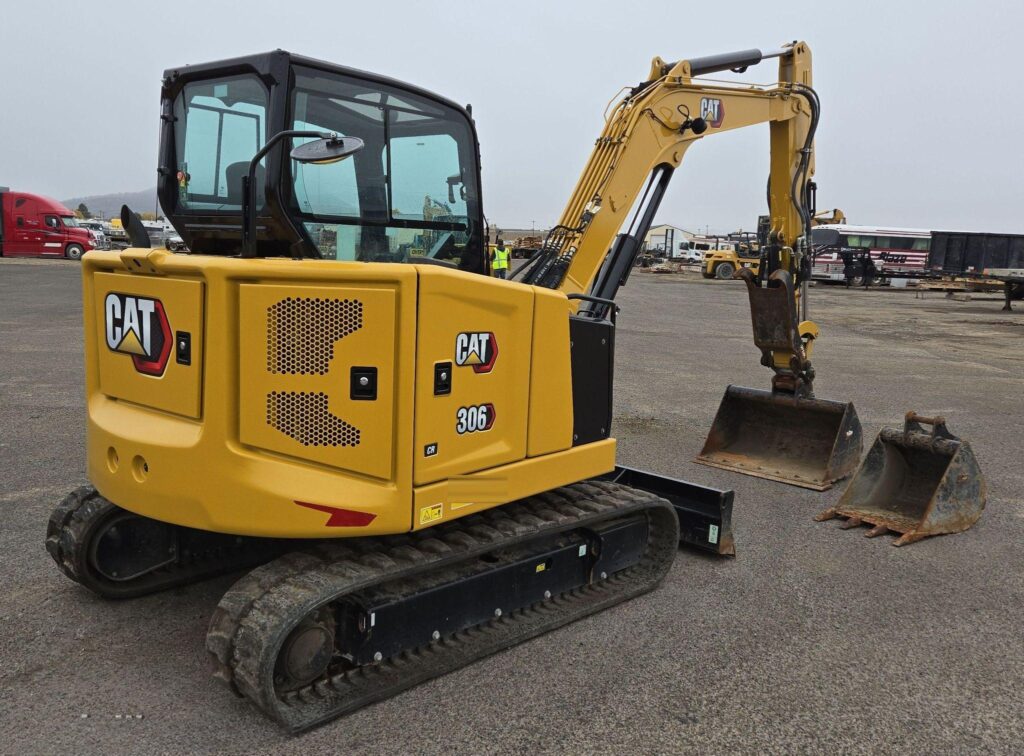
(812, 639)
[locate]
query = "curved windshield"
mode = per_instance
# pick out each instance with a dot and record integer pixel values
(408, 196)
(70, 221)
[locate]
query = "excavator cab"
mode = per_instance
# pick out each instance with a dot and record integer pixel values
(411, 194)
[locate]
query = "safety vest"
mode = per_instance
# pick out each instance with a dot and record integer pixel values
(500, 258)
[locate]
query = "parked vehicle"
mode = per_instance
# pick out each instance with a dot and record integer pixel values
(723, 257)
(99, 232)
(684, 251)
(962, 253)
(175, 243)
(525, 247)
(35, 226)
(895, 252)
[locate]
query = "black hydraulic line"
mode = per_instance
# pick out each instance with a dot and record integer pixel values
(622, 256)
(538, 270)
(803, 200)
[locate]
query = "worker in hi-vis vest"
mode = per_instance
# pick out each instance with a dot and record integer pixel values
(500, 258)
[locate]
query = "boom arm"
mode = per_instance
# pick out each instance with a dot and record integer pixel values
(644, 140)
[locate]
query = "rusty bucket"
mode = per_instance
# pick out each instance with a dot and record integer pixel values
(915, 482)
(805, 442)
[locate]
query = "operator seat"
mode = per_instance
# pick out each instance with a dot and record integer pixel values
(233, 175)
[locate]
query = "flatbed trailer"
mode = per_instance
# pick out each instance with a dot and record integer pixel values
(1012, 280)
(980, 257)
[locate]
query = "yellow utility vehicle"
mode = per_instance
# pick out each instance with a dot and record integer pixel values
(723, 263)
(420, 456)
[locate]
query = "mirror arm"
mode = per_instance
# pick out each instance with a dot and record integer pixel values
(249, 186)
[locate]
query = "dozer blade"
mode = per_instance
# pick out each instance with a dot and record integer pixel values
(705, 513)
(804, 442)
(914, 482)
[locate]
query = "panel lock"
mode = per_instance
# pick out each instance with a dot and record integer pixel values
(442, 378)
(364, 383)
(183, 348)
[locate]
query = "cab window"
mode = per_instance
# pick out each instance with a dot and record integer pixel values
(219, 126)
(419, 167)
(409, 194)
(51, 221)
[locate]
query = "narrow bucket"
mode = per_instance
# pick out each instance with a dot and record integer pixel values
(915, 482)
(804, 442)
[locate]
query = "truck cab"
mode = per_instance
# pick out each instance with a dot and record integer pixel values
(36, 226)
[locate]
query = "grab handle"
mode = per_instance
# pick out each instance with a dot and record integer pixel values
(915, 422)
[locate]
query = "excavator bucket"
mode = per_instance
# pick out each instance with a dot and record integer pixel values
(914, 482)
(805, 442)
(781, 435)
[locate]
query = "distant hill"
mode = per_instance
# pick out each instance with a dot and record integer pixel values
(109, 205)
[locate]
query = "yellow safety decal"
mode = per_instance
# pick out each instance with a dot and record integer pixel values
(541, 567)
(431, 513)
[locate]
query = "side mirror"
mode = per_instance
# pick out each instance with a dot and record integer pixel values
(327, 150)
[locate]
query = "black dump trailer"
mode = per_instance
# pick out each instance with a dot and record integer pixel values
(994, 257)
(956, 253)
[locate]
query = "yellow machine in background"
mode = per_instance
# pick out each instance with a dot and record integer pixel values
(828, 217)
(723, 263)
(446, 436)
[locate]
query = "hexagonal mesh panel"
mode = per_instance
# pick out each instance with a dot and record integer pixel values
(304, 416)
(302, 331)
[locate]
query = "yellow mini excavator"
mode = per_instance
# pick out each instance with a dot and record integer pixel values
(415, 457)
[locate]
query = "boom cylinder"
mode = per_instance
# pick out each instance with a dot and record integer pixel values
(728, 61)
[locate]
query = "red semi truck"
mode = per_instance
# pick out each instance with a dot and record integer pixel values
(34, 226)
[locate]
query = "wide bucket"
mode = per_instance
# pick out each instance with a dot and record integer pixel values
(914, 482)
(804, 442)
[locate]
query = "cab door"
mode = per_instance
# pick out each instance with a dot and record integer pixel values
(52, 236)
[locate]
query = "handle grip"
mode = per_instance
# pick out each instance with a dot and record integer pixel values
(913, 417)
(914, 421)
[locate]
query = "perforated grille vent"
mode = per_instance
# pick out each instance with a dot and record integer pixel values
(304, 416)
(302, 331)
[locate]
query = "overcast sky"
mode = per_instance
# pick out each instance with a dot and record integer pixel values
(922, 101)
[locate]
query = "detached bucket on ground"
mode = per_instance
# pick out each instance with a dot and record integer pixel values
(914, 482)
(804, 442)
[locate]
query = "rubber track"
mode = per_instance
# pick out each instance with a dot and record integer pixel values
(81, 515)
(260, 610)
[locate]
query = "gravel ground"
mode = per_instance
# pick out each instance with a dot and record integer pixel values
(812, 639)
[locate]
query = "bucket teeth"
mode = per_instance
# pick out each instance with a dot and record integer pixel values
(914, 482)
(906, 538)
